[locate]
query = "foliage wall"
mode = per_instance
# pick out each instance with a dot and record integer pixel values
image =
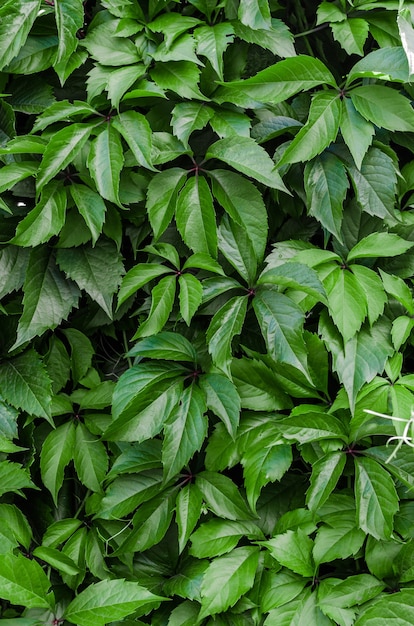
(206, 263)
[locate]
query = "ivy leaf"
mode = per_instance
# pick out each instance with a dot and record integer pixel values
(69, 19)
(105, 162)
(281, 322)
(212, 41)
(188, 117)
(395, 112)
(48, 297)
(190, 296)
(187, 512)
(45, 220)
(351, 34)
(398, 606)
(126, 493)
(293, 549)
(24, 384)
(97, 270)
(62, 148)
(14, 477)
(184, 431)
(165, 345)
(137, 277)
(222, 399)
(57, 452)
(90, 458)
(376, 498)
(162, 302)
(356, 131)
(375, 183)
(108, 601)
(16, 21)
(195, 216)
(319, 131)
(225, 325)
(325, 475)
(326, 185)
(181, 77)
(227, 579)
(136, 131)
(347, 301)
(162, 198)
(222, 496)
(246, 156)
(266, 460)
(377, 245)
(24, 582)
(91, 206)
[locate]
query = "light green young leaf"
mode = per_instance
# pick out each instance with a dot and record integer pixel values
(181, 77)
(162, 198)
(293, 549)
(222, 399)
(62, 148)
(319, 131)
(105, 162)
(383, 106)
(108, 601)
(163, 295)
(91, 206)
(347, 301)
(16, 21)
(281, 323)
(351, 34)
(90, 458)
(326, 186)
(356, 131)
(184, 431)
(212, 42)
(389, 64)
(222, 496)
(377, 245)
(57, 452)
(69, 19)
(45, 220)
(244, 204)
(190, 296)
(227, 579)
(325, 475)
(97, 270)
(276, 83)
(376, 498)
(224, 326)
(136, 131)
(137, 277)
(188, 117)
(375, 183)
(195, 216)
(187, 512)
(23, 582)
(246, 156)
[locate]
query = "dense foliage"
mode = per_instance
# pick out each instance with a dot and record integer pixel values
(206, 264)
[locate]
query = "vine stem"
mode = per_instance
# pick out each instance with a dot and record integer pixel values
(311, 30)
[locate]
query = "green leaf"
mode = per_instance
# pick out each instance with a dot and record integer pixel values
(376, 498)
(329, 12)
(57, 452)
(373, 289)
(91, 206)
(23, 582)
(222, 496)
(13, 267)
(277, 38)
(293, 549)
(398, 606)
(326, 186)
(302, 609)
(244, 204)
(276, 83)
(136, 131)
(60, 531)
(325, 475)
(398, 289)
(190, 296)
(11, 174)
(212, 41)
(339, 541)
(109, 600)
(90, 458)
(187, 581)
(237, 247)
(246, 156)
(69, 19)
(184, 431)
(351, 34)
(375, 183)
(280, 588)
(97, 270)
(105, 47)
(224, 326)
(172, 25)
(45, 220)
(165, 345)
(348, 593)
(24, 383)
(48, 297)
(13, 477)
(356, 131)
(222, 399)
(306, 424)
(254, 13)
(258, 387)
(319, 131)
(266, 460)
(16, 21)
(62, 110)
(377, 245)
(181, 77)
(281, 322)
(36, 55)
(126, 493)
(227, 123)
(162, 198)
(395, 112)
(406, 30)
(216, 537)
(137, 277)
(347, 301)
(105, 162)
(62, 148)
(386, 63)
(188, 117)
(187, 512)
(294, 276)
(195, 216)
(162, 302)
(227, 579)
(57, 559)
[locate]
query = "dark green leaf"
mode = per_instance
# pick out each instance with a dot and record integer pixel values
(24, 384)
(91, 206)
(195, 217)
(394, 113)
(222, 496)
(222, 399)
(69, 19)
(162, 302)
(225, 325)
(57, 452)
(190, 296)
(293, 549)
(105, 162)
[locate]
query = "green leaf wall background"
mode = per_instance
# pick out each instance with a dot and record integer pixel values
(206, 281)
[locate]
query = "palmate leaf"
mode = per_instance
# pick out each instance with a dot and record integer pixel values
(16, 20)
(266, 460)
(293, 549)
(222, 399)
(126, 493)
(165, 345)
(325, 475)
(24, 582)
(227, 579)
(110, 600)
(255, 13)
(69, 19)
(386, 63)
(217, 536)
(90, 458)
(24, 384)
(237, 247)
(48, 297)
(222, 496)
(188, 117)
(377, 245)
(181, 77)
(136, 131)
(278, 38)
(190, 296)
